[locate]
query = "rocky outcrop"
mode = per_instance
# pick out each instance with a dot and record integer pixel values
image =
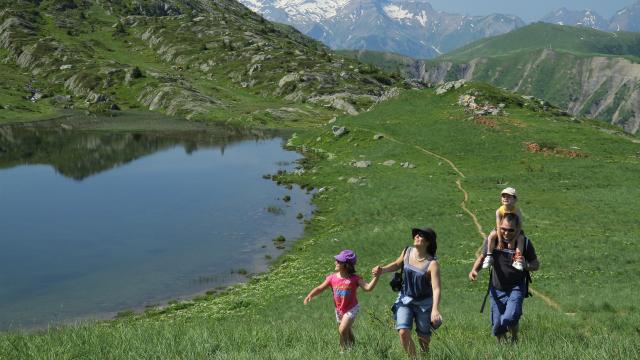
(176, 99)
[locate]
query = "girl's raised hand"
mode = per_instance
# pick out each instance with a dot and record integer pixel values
(307, 299)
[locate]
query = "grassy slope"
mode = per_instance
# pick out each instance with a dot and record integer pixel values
(580, 213)
(388, 61)
(13, 101)
(575, 40)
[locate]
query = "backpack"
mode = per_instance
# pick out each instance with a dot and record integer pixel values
(527, 277)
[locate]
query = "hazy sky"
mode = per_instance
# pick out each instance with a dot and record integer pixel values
(528, 10)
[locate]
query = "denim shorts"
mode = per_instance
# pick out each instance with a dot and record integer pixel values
(416, 311)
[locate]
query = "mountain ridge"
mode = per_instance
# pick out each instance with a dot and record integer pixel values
(625, 19)
(407, 27)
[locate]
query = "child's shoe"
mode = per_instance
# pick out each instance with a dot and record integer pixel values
(488, 261)
(518, 264)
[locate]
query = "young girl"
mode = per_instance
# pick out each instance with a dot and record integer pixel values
(344, 283)
(508, 199)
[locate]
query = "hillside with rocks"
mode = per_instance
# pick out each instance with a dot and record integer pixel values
(583, 71)
(194, 58)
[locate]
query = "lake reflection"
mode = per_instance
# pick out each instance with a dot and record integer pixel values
(97, 222)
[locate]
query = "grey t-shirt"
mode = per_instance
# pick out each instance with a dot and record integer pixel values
(504, 276)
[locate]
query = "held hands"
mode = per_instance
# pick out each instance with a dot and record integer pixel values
(376, 271)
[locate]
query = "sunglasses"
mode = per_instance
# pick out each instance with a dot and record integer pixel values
(509, 230)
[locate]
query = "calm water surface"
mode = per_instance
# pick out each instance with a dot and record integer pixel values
(95, 222)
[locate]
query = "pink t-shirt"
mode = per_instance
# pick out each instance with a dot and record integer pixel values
(344, 292)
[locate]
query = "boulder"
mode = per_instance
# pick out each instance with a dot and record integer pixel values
(60, 99)
(338, 131)
(93, 98)
(287, 78)
(443, 88)
(361, 164)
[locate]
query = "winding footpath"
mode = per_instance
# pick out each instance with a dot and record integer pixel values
(547, 299)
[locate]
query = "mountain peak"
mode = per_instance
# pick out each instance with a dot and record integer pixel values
(586, 18)
(626, 19)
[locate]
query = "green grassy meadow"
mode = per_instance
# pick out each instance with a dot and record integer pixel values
(579, 195)
(552, 36)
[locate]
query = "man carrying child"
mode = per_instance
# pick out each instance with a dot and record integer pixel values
(508, 286)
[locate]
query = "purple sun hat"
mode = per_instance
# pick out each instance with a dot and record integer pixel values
(346, 256)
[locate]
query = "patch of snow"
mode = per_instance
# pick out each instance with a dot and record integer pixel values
(397, 13)
(422, 18)
(310, 10)
(436, 49)
(254, 5)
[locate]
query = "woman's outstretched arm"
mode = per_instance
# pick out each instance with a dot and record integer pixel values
(391, 267)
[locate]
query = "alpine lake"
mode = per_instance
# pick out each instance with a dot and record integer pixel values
(101, 216)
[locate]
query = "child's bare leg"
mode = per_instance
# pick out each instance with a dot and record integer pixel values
(518, 261)
(520, 243)
(492, 239)
(344, 329)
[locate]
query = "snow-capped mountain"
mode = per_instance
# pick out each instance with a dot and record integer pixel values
(587, 18)
(409, 27)
(626, 19)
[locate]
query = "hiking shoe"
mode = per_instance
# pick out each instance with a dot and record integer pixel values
(518, 265)
(488, 261)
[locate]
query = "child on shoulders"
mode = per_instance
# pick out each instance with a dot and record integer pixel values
(508, 199)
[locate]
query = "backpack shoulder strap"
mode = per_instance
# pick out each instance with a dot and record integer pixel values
(404, 255)
(527, 273)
